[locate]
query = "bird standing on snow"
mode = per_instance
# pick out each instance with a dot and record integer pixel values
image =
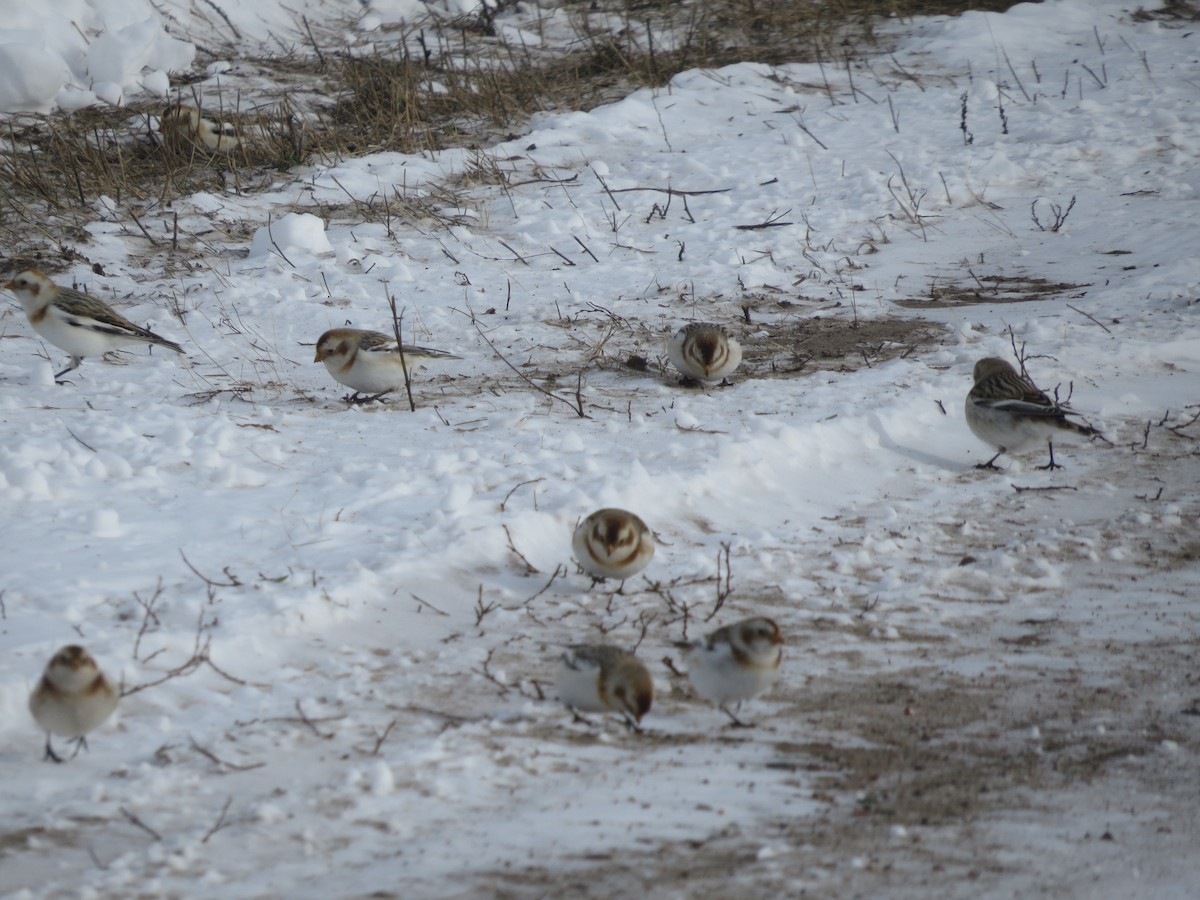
(73, 698)
(368, 362)
(735, 663)
(612, 543)
(76, 322)
(704, 352)
(605, 678)
(1008, 412)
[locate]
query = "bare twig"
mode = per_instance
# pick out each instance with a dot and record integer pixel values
(309, 722)
(81, 440)
(1090, 316)
(200, 650)
(487, 673)
(220, 823)
(644, 620)
(1060, 214)
(816, 139)
(397, 319)
(1099, 81)
(212, 665)
(209, 755)
(278, 250)
(907, 74)
(561, 255)
(1015, 76)
(577, 406)
(673, 192)
(559, 571)
(910, 204)
(585, 249)
(606, 190)
(148, 615)
(1177, 430)
(383, 737)
(530, 568)
(313, 40)
(425, 602)
(772, 221)
(724, 588)
(234, 581)
(482, 609)
(516, 487)
(142, 228)
(134, 820)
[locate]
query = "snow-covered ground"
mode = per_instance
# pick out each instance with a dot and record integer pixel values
(990, 684)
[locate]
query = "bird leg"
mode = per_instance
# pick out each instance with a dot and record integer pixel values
(991, 463)
(600, 581)
(356, 399)
(50, 754)
(1052, 464)
(736, 722)
(79, 742)
(76, 361)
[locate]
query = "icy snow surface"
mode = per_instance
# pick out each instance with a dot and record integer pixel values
(989, 683)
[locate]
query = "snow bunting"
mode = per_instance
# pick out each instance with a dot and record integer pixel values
(1007, 411)
(76, 322)
(604, 678)
(704, 352)
(368, 361)
(612, 543)
(736, 662)
(73, 698)
(183, 125)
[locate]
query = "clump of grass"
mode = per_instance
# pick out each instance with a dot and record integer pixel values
(54, 169)
(435, 86)
(459, 86)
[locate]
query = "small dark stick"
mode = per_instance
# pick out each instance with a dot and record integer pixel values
(397, 320)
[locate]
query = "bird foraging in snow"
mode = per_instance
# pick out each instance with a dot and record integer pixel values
(702, 351)
(612, 543)
(76, 322)
(1008, 412)
(182, 125)
(72, 698)
(605, 678)
(369, 362)
(735, 663)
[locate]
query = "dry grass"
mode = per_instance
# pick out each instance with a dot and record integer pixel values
(55, 171)
(432, 87)
(992, 289)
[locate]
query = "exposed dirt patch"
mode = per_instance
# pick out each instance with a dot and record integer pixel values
(1170, 11)
(837, 344)
(636, 352)
(930, 754)
(992, 289)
